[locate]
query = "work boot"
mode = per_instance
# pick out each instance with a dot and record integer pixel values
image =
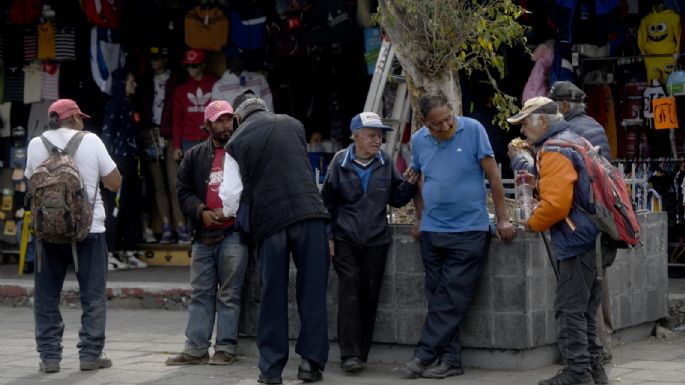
(187, 359)
(599, 375)
(442, 370)
(99, 363)
(222, 358)
(566, 376)
(414, 367)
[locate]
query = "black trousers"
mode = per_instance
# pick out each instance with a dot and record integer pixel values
(577, 299)
(307, 242)
(360, 276)
(122, 229)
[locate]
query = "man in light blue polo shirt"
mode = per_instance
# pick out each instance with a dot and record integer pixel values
(454, 156)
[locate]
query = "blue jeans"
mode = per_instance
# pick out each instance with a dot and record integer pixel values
(453, 264)
(217, 273)
(92, 281)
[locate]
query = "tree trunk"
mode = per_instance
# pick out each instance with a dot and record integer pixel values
(418, 85)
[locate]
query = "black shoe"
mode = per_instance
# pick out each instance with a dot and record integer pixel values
(599, 375)
(263, 379)
(443, 370)
(352, 365)
(414, 367)
(566, 376)
(309, 371)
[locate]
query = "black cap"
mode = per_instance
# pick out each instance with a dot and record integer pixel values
(565, 90)
(156, 51)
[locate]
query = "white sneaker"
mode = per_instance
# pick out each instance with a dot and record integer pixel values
(149, 236)
(113, 263)
(133, 261)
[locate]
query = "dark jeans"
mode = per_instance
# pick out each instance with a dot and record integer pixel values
(453, 264)
(577, 300)
(360, 276)
(307, 240)
(92, 281)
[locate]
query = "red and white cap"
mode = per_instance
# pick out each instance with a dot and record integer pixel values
(65, 108)
(216, 109)
(193, 56)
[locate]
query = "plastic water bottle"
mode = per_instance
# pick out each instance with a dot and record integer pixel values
(524, 196)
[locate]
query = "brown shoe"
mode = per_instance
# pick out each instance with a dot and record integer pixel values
(223, 358)
(186, 359)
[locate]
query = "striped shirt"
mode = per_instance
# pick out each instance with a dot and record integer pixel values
(50, 81)
(65, 43)
(14, 84)
(30, 44)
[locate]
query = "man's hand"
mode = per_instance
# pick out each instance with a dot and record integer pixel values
(209, 218)
(178, 154)
(331, 248)
(219, 215)
(415, 230)
(505, 230)
(411, 176)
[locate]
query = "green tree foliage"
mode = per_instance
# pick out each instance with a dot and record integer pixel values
(436, 40)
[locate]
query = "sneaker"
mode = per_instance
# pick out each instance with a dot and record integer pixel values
(114, 263)
(567, 376)
(167, 234)
(149, 236)
(414, 367)
(183, 236)
(133, 261)
(352, 365)
(99, 363)
(599, 375)
(48, 366)
(222, 358)
(442, 370)
(187, 359)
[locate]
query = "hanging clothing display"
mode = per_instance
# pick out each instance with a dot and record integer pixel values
(65, 43)
(601, 107)
(50, 87)
(231, 85)
(33, 82)
(38, 119)
(46, 41)
(30, 44)
(659, 33)
(105, 56)
(14, 84)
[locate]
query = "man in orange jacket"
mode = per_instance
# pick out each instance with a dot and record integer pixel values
(564, 193)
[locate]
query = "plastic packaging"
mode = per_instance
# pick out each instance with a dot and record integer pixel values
(524, 196)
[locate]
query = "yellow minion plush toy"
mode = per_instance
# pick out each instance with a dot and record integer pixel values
(659, 33)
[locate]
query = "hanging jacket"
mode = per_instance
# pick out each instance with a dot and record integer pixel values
(120, 127)
(106, 56)
(537, 85)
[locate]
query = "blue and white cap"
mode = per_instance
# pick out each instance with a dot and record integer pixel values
(368, 120)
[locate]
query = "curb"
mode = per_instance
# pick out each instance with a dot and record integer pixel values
(121, 295)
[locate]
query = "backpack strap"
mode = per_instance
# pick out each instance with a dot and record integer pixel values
(48, 145)
(74, 142)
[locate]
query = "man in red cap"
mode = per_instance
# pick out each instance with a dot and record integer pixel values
(190, 99)
(219, 254)
(95, 165)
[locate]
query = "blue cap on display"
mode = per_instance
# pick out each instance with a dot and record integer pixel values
(368, 120)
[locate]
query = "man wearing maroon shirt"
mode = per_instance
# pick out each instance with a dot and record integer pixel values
(219, 254)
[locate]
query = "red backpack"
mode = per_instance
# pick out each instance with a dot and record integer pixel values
(611, 208)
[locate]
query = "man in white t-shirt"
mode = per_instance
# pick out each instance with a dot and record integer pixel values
(95, 165)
